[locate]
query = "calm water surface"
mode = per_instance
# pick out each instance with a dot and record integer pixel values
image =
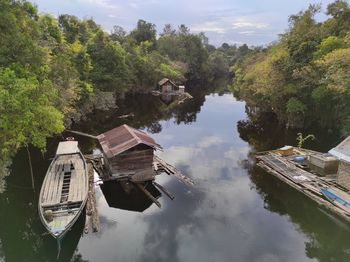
(235, 212)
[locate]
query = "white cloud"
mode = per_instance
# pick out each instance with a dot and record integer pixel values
(134, 5)
(246, 33)
(179, 154)
(243, 23)
(209, 27)
(237, 153)
(101, 3)
(209, 141)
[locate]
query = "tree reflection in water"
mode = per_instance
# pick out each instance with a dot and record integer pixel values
(263, 132)
(22, 236)
(149, 111)
(21, 233)
(328, 235)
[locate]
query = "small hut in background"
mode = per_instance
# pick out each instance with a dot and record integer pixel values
(167, 98)
(342, 152)
(128, 151)
(167, 86)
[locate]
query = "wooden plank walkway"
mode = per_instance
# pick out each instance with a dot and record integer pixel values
(160, 166)
(294, 173)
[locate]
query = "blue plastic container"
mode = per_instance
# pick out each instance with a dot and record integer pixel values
(299, 159)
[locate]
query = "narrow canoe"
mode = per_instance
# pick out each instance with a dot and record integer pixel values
(63, 194)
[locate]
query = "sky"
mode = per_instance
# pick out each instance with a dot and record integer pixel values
(254, 22)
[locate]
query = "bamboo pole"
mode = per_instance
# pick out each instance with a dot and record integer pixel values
(163, 190)
(31, 168)
(81, 134)
(148, 194)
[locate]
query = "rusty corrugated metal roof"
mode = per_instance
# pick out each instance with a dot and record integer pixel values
(122, 138)
(165, 80)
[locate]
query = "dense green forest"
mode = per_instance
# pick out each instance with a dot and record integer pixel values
(53, 71)
(304, 76)
(56, 71)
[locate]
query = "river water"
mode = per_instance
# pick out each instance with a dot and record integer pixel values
(235, 211)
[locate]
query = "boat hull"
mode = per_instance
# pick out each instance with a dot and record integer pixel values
(64, 191)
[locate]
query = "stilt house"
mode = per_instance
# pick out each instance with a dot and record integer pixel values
(167, 86)
(128, 151)
(342, 152)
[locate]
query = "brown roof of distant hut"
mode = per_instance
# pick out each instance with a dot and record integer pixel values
(164, 80)
(122, 138)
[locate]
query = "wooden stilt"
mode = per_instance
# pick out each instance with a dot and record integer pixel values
(148, 194)
(161, 188)
(31, 168)
(81, 133)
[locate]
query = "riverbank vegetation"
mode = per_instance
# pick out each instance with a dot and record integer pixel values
(54, 71)
(303, 78)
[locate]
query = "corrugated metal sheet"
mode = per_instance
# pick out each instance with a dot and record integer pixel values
(165, 80)
(342, 151)
(122, 138)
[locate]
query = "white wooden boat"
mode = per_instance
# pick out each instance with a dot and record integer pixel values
(63, 194)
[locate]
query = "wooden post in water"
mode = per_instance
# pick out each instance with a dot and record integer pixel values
(31, 168)
(163, 190)
(148, 194)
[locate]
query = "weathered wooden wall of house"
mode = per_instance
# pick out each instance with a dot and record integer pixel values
(343, 177)
(168, 87)
(131, 161)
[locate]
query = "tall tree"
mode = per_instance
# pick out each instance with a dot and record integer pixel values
(108, 62)
(168, 30)
(27, 114)
(144, 31)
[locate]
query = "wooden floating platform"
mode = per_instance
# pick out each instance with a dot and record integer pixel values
(138, 178)
(302, 180)
(159, 166)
